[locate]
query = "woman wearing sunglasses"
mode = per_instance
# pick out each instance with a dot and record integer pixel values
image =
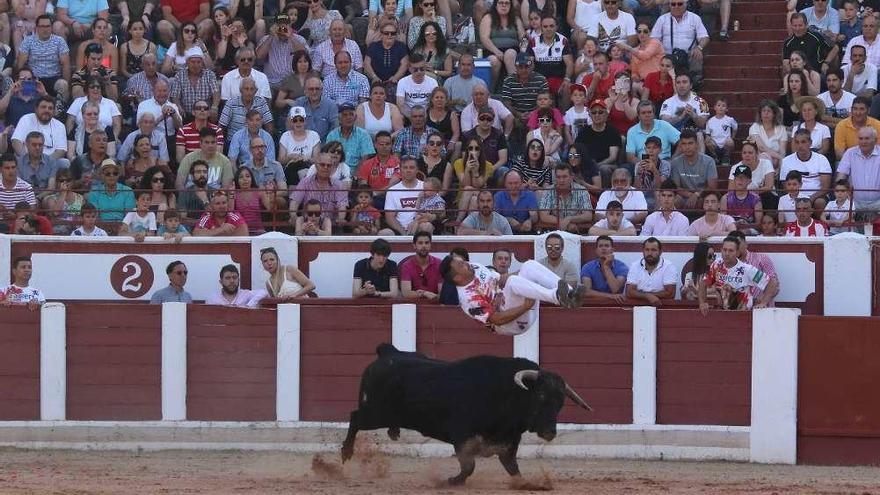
(160, 182)
(175, 57)
(533, 167)
(393, 12)
(547, 134)
(318, 21)
(432, 163)
(427, 10)
(473, 174)
(431, 44)
(385, 61)
(645, 57)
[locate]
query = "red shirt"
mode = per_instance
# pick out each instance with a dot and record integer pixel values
(659, 92)
(602, 87)
(183, 10)
(188, 137)
(378, 175)
(429, 279)
(45, 225)
(207, 221)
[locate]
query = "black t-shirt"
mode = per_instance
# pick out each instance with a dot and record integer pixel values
(599, 143)
(813, 45)
(381, 279)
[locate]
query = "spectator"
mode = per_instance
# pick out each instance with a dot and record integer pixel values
(613, 25)
(326, 55)
(492, 142)
(761, 170)
(735, 281)
(231, 294)
(500, 35)
(42, 121)
(340, 170)
(61, 202)
(796, 84)
(742, 205)
(659, 85)
(427, 13)
(430, 208)
(651, 171)
(567, 206)
(868, 39)
(278, 49)
(158, 141)
(860, 76)
(432, 163)
(168, 115)
(157, 180)
(324, 187)
(364, 217)
(376, 276)
(391, 13)
(446, 121)
(603, 141)
(195, 83)
(346, 86)
(35, 167)
(141, 222)
(293, 87)
(267, 173)
(85, 165)
(48, 56)
(187, 44)
(321, 22)
(860, 166)
(811, 110)
(666, 221)
(815, 47)
(814, 168)
(100, 32)
(219, 167)
(502, 118)
(111, 198)
(823, 20)
(420, 273)
(461, 86)
(286, 282)
(386, 61)
(768, 133)
(704, 255)
(195, 198)
(89, 227)
(713, 222)
(553, 59)
(534, 167)
(811, 84)
(554, 245)
(837, 101)
(577, 117)
(692, 171)
(645, 57)
(401, 199)
(600, 81)
(519, 91)
(13, 189)
(584, 168)
(850, 22)
(786, 203)
(519, 206)
(411, 140)
(79, 136)
(652, 278)
(234, 115)
(94, 68)
(649, 126)
(133, 52)
(382, 170)
(688, 35)
(846, 131)
(473, 175)
(605, 276)
(431, 45)
(685, 110)
(721, 129)
(635, 208)
(177, 274)
(614, 223)
(355, 141)
(234, 79)
(322, 114)
(415, 89)
(240, 143)
(546, 133)
(298, 145)
(20, 293)
(22, 98)
(250, 202)
(622, 103)
(219, 220)
(485, 221)
(313, 222)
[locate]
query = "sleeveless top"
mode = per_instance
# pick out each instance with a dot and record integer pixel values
(132, 61)
(504, 38)
(618, 119)
(289, 288)
(546, 11)
(246, 13)
(742, 209)
(444, 126)
(372, 124)
(249, 207)
(585, 12)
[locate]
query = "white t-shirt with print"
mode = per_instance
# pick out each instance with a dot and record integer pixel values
(22, 295)
(720, 129)
(403, 200)
(810, 170)
(478, 298)
(414, 93)
(137, 223)
(303, 147)
(577, 120)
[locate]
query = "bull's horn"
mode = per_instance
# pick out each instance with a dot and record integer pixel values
(571, 394)
(523, 375)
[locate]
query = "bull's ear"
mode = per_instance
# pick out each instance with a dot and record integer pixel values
(525, 375)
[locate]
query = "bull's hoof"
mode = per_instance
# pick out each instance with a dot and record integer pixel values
(455, 481)
(347, 452)
(394, 433)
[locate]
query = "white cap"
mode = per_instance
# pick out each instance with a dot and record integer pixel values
(193, 52)
(297, 112)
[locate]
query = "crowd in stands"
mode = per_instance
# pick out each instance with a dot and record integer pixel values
(231, 118)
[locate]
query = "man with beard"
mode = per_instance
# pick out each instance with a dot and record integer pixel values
(735, 280)
(420, 274)
(230, 294)
(220, 171)
(55, 144)
(485, 221)
(651, 278)
(194, 199)
(219, 221)
(554, 244)
(838, 101)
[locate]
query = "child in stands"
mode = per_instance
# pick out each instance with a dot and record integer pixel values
(838, 213)
(171, 229)
(720, 130)
(89, 228)
(793, 183)
(141, 222)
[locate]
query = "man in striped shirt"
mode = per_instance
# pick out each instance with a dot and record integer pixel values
(12, 188)
(519, 91)
(188, 135)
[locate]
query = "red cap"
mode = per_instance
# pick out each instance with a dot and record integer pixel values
(577, 86)
(598, 103)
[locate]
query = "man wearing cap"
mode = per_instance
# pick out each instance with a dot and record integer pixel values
(232, 118)
(114, 199)
(94, 54)
(187, 139)
(411, 140)
(414, 89)
(276, 49)
(503, 119)
(345, 85)
(168, 116)
(48, 56)
(493, 144)
(240, 143)
(602, 141)
(355, 140)
(231, 82)
(553, 59)
(322, 113)
(195, 83)
(461, 86)
(519, 91)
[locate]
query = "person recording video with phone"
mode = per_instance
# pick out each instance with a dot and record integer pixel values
(23, 96)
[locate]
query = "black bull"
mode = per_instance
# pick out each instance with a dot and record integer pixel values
(481, 405)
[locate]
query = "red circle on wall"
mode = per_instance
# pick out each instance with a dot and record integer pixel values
(131, 276)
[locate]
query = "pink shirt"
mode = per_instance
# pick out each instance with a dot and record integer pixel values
(207, 221)
(723, 226)
(429, 279)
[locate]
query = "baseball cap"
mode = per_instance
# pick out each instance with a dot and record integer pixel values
(297, 112)
(346, 106)
(579, 87)
(598, 103)
(523, 59)
(107, 163)
(742, 170)
(655, 141)
(193, 52)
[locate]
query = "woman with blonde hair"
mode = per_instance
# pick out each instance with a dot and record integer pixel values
(286, 282)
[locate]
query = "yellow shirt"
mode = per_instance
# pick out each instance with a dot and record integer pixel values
(846, 135)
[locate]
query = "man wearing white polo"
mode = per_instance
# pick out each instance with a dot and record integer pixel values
(652, 278)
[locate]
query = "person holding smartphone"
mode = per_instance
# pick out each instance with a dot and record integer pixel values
(473, 173)
(22, 97)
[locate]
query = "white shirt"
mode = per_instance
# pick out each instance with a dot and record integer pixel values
(673, 106)
(838, 213)
(820, 131)
(303, 147)
(414, 93)
(22, 295)
(106, 111)
(665, 273)
(842, 107)
(810, 170)
(624, 224)
(686, 31)
(657, 225)
(230, 85)
(470, 118)
(866, 80)
(786, 206)
(403, 200)
(137, 223)
(476, 298)
(243, 298)
(720, 129)
(163, 124)
(609, 31)
(633, 203)
(54, 133)
(872, 49)
(764, 167)
(577, 120)
(342, 172)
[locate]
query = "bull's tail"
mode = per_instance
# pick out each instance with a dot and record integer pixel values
(385, 349)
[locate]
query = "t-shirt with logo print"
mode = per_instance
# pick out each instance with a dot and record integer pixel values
(479, 299)
(548, 57)
(735, 283)
(720, 129)
(403, 200)
(22, 295)
(414, 93)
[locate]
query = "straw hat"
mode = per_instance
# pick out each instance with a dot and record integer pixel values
(817, 103)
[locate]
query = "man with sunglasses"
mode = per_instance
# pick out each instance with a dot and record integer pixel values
(680, 29)
(276, 49)
(414, 89)
(613, 25)
(324, 187)
(602, 141)
(187, 139)
(177, 274)
(231, 83)
(554, 246)
(48, 56)
(111, 198)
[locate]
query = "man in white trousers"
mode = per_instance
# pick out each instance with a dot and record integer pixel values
(511, 308)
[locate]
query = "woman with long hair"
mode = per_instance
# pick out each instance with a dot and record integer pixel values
(797, 87)
(89, 122)
(101, 32)
(704, 255)
(622, 103)
(761, 167)
(233, 36)
(286, 282)
(533, 167)
(798, 61)
(500, 35)
(175, 57)
(140, 161)
(547, 134)
(160, 182)
(473, 174)
(249, 201)
(431, 44)
(63, 206)
(584, 169)
(426, 11)
(318, 21)
(377, 114)
(293, 86)
(432, 163)
(132, 51)
(768, 133)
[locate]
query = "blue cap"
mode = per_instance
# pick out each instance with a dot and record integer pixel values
(523, 58)
(346, 106)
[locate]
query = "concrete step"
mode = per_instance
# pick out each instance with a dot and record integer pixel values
(749, 47)
(743, 73)
(772, 21)
(745, 99)
(752, 8)
(733, 85)
(738, 60)
(762, 34)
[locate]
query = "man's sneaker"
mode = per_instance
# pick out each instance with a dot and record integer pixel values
(562, 292)
(724, 35)
(576, 296)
